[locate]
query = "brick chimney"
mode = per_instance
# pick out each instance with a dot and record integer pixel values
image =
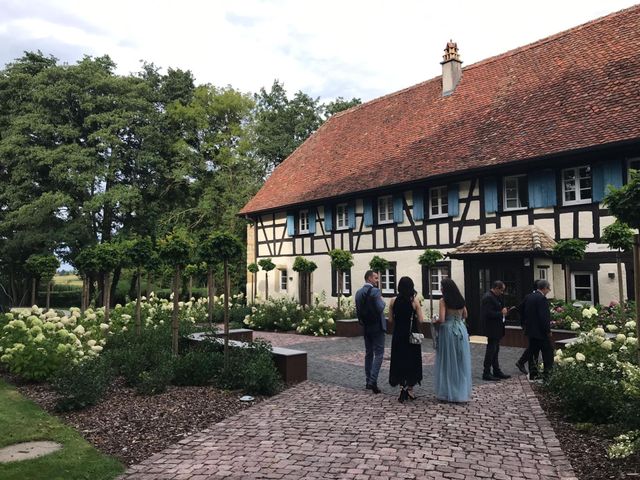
(451, 68)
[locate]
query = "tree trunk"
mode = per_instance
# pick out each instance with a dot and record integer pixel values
(138, 301)
(133, 286)
(254, 282)
(174, 316)
(567, 283)
(266, 285)
(636, 282)
(48, 302)
(620, 285)
(107, 294)
(226, 314)
(211, 291)
(34, 288)
(190, 287)
(83, 306)
(113, 285)
(339, 290)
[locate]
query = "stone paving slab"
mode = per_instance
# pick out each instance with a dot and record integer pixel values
(316, 430)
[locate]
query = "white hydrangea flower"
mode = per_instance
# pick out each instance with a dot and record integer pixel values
(612, 328)
(600, 331)
(574, 326)
(607, 345)
(580, 357)
(621, 337)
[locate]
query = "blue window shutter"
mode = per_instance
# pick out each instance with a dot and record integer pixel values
(603, 175)
(418, 205)
(312, 221)
(328, 218)
(453, 198)
(351, 213)
(368, 212)
(542, 189)
(291, 224)
(398, 211)
(490, 195)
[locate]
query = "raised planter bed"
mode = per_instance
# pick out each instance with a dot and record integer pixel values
(514, 337)
(351, 328)
(292, 364)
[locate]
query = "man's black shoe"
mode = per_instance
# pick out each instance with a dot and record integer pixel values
(489, 377)
(522, 368)
(373, 387)
(501, 375)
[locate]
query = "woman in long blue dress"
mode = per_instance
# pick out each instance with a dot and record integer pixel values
(453, 355)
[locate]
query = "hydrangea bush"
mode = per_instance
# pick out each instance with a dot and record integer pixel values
(280, 314)
(567, 316)
(596, 378)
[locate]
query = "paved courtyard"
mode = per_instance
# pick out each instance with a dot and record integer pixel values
(331, 428)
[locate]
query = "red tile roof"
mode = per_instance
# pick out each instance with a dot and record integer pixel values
(576, 89)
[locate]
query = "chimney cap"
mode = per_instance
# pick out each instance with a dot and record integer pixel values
(451, 53)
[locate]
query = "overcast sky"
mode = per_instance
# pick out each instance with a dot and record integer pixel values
(325, 48)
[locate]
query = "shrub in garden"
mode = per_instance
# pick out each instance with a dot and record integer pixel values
(82, 384)
(157, 378)
(197, 367)
(282, 314)
(251, 369)
(318, 321)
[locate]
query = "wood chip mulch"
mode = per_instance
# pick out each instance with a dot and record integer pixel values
(587, 449)
(133, 427)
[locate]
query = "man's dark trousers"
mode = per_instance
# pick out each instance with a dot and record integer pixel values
(374, 348)
(537, 345)
(491, 356)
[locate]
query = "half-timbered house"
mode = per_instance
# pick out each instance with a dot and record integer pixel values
(490, 164)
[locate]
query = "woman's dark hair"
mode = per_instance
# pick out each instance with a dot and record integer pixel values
(406, 288)
(451, 294)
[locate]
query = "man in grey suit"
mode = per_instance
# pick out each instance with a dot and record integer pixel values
(370, 312)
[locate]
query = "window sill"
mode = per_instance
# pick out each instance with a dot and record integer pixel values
(577, 202)
(435, 217)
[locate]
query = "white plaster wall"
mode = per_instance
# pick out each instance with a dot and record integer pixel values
(605, 222)
(566, 225)
(470, 233)
(522, 220)
(474, 210)
(444, 233)
(608, 287)
(547, 225)
(585, 224)
(557, 283)
(406, 239)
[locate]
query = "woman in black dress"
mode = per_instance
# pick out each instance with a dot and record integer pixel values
(406, 358)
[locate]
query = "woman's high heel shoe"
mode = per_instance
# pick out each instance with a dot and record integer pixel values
(410, 395)
(403, 395)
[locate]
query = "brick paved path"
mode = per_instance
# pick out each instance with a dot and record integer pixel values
(331, 428)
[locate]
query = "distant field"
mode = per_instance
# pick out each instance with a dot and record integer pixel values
(72, 280)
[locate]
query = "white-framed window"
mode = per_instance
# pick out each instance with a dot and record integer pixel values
(582, 287)
(438, 202)
(542, 273)
(303, 221)
(342, 216)
(576, 185)
(344, 279)
(283, 279)
(388, 280)
(385, 209)
(516, 193)
(437, 274)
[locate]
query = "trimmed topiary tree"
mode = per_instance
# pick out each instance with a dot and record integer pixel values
(108, 256)
(267, 265)
(87, 266)
(42, 267)
(139, 254)
(341, 261)
(568, 251)
(378, 264)
(428, 259)
(253, 268)
(623, 204)
(619, 237)
(175, 250)
(225, 247)
(304, 268)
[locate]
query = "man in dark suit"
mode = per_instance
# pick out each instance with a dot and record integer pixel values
(492, 313)
(370, 312)
(537, 318)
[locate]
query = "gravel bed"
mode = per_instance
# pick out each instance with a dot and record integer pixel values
(586, 449)
(133, 427)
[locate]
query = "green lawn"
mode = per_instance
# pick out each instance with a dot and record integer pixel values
(67, 280)
(22, 420)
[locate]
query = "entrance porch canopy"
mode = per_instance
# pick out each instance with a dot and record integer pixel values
(530, 239)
